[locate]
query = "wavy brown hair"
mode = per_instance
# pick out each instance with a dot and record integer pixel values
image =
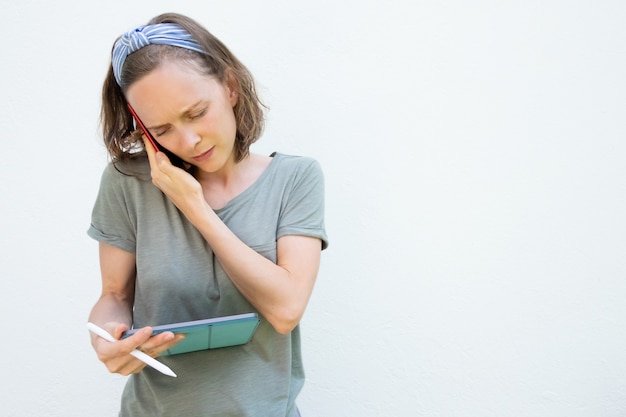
(118, 129)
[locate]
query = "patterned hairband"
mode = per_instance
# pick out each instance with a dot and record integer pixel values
(135, 39)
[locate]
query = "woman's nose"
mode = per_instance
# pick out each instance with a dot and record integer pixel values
(189, 137)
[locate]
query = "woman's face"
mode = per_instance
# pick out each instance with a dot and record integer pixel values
(188, 113)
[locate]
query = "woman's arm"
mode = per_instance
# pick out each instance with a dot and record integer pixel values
(281, 290)
(117, 268)
(113, 312)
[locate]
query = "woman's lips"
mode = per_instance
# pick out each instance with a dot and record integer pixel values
(204, 156)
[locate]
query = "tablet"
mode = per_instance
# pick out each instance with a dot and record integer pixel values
(206, 334)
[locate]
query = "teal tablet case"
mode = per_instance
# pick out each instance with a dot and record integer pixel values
(210, 333)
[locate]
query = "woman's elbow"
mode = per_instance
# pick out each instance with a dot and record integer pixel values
(285, 322)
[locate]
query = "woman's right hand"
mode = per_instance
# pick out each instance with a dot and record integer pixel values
(116, 355)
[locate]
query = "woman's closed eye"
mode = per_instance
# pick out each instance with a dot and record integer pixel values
(198, 114)
(191, 116)
(161, 132)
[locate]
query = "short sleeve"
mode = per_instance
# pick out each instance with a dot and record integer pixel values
(111, 219)
(302, 212)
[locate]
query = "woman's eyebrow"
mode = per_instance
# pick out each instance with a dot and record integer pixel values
(185, 112)
(155, 127)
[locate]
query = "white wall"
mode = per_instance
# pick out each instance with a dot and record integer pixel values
(474, 156)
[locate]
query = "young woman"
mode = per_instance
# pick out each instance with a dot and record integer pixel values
(203, 228)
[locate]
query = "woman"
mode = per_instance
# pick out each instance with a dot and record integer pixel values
(203, 229)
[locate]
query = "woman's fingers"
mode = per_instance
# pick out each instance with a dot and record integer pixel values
(149, 149)
(159, 163)
(179, 185)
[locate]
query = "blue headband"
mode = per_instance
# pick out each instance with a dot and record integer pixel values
(162, 34)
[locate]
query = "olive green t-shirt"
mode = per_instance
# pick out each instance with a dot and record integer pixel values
(179, 279)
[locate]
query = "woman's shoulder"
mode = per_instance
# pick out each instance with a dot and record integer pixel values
(292, 171)
(137, 165)
(136, 169)
(295, 162)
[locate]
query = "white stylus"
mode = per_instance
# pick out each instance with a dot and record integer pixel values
(147, 359)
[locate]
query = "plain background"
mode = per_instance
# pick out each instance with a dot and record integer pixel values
(474, 154)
